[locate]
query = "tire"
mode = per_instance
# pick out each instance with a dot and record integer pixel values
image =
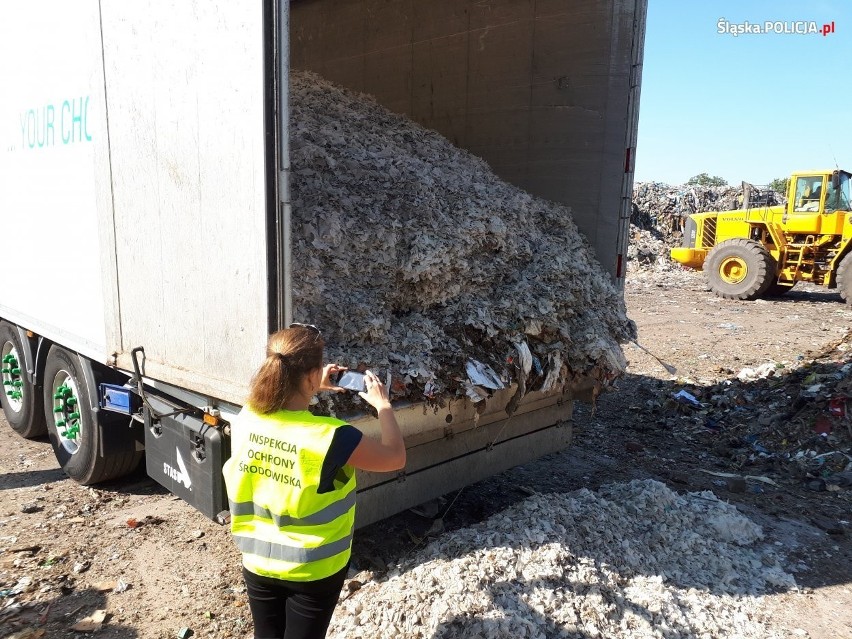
(76, 430)
(777, 290)
(844, 278)
(22, 401)
(739, 269)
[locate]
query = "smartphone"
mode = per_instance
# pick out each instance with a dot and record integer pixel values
(350, 380)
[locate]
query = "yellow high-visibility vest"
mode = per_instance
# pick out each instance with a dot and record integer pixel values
(282, 526)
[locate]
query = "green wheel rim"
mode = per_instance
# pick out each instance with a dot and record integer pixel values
(13, 382)
(66, 411)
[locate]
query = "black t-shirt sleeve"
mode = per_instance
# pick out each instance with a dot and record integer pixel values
(346, 439)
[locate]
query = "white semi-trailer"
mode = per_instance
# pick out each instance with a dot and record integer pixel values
(145, 215)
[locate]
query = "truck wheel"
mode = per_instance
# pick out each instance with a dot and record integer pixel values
(739, 269)
(844, 278)
(76, 430)
(22, 402)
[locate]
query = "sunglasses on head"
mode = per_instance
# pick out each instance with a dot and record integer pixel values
(310, 327)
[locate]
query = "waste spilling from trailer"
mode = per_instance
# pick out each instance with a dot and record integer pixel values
(415, 258)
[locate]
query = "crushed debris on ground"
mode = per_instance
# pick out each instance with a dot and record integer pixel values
(790, 420)
(631, 560)
(443, 263)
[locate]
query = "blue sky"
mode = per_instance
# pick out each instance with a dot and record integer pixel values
(751, 107)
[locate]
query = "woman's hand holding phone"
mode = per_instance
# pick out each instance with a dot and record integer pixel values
(376, 394)
(329, 371)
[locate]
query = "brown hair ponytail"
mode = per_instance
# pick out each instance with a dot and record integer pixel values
(291, 354)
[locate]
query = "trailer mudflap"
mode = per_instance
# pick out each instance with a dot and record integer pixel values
(185, 455)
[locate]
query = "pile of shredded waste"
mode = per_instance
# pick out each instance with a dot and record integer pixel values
(663, 207)
(414, 258)
(633, 560)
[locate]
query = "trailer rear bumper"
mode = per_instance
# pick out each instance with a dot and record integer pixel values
(450, 447)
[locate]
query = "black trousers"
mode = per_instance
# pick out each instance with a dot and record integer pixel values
(292, 609)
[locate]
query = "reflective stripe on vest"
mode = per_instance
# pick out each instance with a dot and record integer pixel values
(324, 516)
(292, 554)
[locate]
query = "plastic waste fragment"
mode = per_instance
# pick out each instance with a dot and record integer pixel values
(686, 398)
(837, 407)
(525, 358)
(760, 478)
(761, 372)
(483, 375)
(554, 368)
(475, 393)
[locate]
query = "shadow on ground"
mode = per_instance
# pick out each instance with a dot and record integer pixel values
(30, 478)
(55, 617)
(136, 483)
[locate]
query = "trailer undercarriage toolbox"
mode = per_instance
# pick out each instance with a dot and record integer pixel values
(185, 455)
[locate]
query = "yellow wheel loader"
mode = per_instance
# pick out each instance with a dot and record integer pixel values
(764, 250)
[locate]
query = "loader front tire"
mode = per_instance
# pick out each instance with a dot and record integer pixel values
(739, 269)
(844, 278)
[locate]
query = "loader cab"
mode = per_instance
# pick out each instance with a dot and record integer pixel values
(808, 193)
(820, 192)
(815, 201)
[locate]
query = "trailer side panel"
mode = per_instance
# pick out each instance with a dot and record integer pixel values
(54, 176)
(185, 100)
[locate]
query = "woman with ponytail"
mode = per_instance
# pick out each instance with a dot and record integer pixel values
(291, 485)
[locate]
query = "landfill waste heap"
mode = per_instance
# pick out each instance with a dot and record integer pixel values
(789, 420)
(416, 260)
(663, 208)
(660, 211)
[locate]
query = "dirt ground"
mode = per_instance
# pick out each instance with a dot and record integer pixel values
(157, 567)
